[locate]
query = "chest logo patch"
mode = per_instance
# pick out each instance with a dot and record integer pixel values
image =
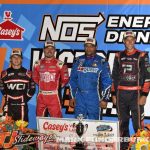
(47, 76)
(88, 69)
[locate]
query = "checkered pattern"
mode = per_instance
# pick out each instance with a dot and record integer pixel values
(110, 110)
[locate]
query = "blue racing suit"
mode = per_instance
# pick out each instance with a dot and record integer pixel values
(90, 81)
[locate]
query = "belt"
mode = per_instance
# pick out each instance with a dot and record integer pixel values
(129, 87)
(48, 92)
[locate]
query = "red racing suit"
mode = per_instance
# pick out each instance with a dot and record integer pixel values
(49, 75)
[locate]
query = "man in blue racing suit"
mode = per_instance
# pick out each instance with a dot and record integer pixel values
(90, 82)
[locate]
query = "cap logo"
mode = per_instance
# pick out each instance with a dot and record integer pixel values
(16, 52)
(49, 43)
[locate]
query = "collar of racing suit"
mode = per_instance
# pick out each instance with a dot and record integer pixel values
(131, 53)
(90, 57)
(49, 60)
(17, 70)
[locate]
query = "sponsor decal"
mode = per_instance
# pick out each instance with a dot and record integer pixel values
(52, 67)
(34, 137)
(11, 74)
(16, 86)
(16, 139)
(58, 127)
(47, 76)
(22, 74)
(104, 128)
(87, 69)
(70, 28)
(10, 30)
(104, 131)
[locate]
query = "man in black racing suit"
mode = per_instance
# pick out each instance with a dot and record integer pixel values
(131, 80)
(17, 87)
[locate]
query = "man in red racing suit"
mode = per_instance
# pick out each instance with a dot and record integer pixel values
(48, 73)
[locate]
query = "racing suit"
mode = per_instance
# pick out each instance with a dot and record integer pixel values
(48, 74)
(17, 87)
(130, 81)
(89, 80)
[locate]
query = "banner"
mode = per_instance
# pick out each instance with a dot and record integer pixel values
(96, 134)
(28, 26)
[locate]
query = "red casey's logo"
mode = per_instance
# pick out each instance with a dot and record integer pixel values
(10, 30)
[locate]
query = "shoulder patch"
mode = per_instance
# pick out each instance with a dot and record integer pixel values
(60, 63)
(3, 73)
(37, 62)
(142, 54)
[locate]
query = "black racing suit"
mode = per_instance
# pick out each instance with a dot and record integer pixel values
(131, 79)
(17, 87)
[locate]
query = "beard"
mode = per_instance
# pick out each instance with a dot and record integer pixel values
(48, 55)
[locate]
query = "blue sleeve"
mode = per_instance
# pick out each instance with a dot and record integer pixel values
(106, 81)
(73, 79)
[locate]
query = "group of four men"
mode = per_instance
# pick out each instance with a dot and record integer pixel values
(90, 84)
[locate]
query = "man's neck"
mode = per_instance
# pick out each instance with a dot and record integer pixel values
(90, 56)
(130, 50)
(16, 67)
(49, 58)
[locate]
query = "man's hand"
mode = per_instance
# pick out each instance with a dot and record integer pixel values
(103, 104)
(72, 103)
(114, 99)
(142, 100)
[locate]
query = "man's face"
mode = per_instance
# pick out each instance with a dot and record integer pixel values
(129, 42)
(49, 52)
(90, 49)
(16, 60)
